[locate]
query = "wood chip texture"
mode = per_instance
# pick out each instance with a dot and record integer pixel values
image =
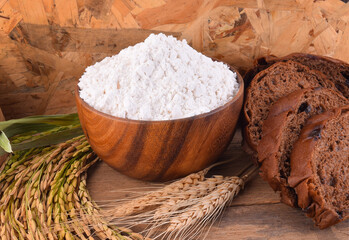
(46, 45)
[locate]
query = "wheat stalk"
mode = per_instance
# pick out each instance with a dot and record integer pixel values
(43, 195)
(206, 207)
(183, 208)
(188, 197)
(156, 198)
(187, 225)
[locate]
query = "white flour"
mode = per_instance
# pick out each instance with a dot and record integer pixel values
(159, 79)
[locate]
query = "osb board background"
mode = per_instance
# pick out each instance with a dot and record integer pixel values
(45, 44)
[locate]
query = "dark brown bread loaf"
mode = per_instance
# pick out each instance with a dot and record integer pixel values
(320, 167)
(271, 84)
(281, 129)
(335, 70)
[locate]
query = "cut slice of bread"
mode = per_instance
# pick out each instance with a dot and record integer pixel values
(281, 129)
(335, 70)
(271, 84)
(320, 167)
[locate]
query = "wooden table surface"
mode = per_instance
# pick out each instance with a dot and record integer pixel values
(255, 214)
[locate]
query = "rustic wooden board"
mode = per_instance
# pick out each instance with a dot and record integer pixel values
(46, 45)
(255, 214)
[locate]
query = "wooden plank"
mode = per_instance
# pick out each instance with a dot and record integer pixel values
(62, 99)
(12, 65)
(273, 222)
(21, 102)
(19, 105)
(55, 39)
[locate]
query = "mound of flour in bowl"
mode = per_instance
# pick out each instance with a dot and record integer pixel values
(161, 78)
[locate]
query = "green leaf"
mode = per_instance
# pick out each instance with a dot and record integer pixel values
(50, 139)
(45, 130)
(5, 143)
(41, 121)
(22, 128)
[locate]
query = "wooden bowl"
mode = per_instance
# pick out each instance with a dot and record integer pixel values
(160, 150)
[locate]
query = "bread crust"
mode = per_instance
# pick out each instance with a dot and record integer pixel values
(270, 143)
(262, 63)
(248, 140)
(302, 175)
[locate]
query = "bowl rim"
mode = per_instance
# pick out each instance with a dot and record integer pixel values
(191, 118)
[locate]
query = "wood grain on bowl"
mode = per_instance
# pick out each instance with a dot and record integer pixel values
(160, 150)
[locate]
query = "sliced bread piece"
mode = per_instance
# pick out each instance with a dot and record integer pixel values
(320, 167)
(281, 130)
(335, 70)
(271, 84)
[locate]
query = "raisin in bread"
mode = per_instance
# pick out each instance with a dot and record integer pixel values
(320, 167)
(335, 70)
(281, 129)
(268, 86)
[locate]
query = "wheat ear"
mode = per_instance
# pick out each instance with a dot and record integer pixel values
(188, 224)
(43, 195)
(224, 193)
(156, 198)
